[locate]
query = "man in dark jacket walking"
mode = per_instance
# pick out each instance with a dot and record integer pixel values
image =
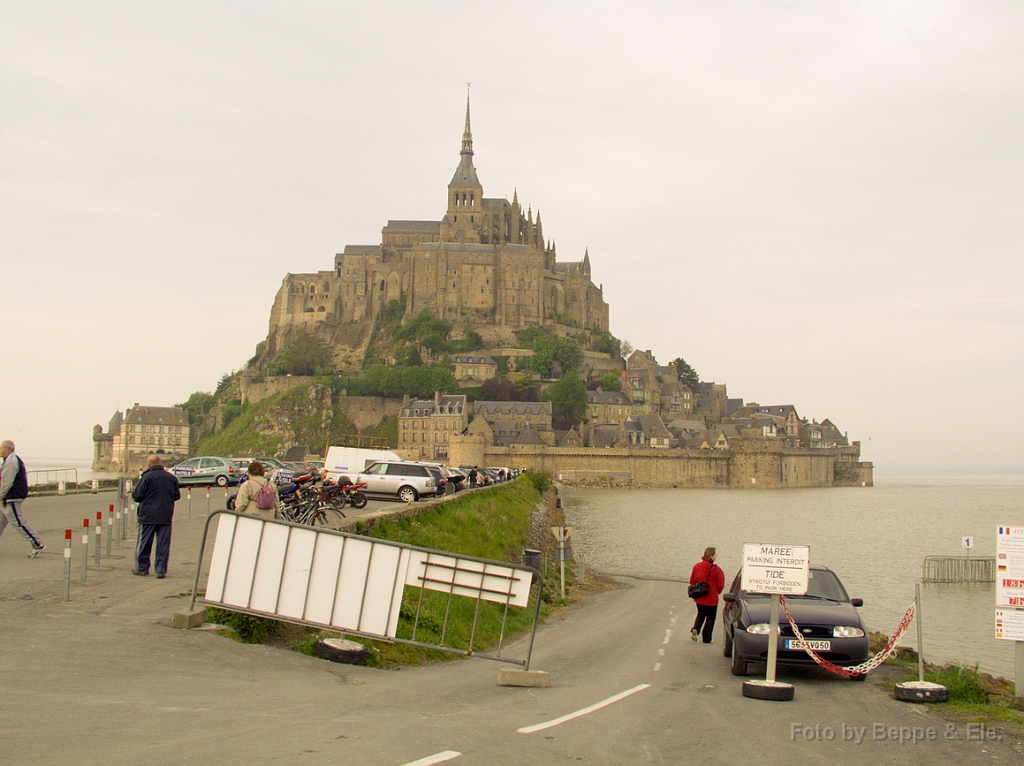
(13, 491)
(156, 494)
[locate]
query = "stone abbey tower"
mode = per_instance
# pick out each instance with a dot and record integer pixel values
(485, 265)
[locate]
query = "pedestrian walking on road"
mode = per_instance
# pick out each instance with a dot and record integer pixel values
(472, 477)
(13, 491)
(156, 494)
(706, 571)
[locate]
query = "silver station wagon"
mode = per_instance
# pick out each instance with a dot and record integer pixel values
(406, 480)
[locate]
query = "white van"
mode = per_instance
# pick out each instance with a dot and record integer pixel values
(345, 461)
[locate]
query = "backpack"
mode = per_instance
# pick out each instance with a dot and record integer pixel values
(265, 499)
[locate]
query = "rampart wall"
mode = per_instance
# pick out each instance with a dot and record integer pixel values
(747, 464)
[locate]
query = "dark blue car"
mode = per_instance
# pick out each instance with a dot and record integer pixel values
(826, 616)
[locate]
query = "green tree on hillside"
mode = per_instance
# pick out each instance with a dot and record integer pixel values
(569, 399)
(304, 354)
(687, 375)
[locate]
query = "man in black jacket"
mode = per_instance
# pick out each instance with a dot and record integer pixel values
(13, 491)
(156, 494)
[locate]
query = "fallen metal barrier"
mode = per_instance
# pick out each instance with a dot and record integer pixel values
(351, 584)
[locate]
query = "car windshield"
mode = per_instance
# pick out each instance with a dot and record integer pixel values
(822, 584)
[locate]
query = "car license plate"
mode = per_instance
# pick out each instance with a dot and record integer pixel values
(799, 644)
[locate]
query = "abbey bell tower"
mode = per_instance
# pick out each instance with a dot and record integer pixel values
(465, 195)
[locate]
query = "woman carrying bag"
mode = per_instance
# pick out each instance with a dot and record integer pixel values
(707, 580)
(258, 495)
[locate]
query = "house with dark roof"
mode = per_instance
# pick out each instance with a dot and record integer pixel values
(471, 370)
(426, 426)
(141, 431)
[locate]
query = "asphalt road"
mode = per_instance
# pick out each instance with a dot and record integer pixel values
(105, 680)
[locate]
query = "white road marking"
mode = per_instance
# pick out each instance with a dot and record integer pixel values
(668, 635)
(657, 666)
(584, 711)
(661, 652)
(447, 755)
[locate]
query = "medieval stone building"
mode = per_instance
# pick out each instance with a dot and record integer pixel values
(139, 432)
(486, 265)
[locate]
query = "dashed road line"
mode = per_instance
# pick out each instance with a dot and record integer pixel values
(584, 711)
(447, 755)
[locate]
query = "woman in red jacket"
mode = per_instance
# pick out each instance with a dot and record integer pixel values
(707, 571)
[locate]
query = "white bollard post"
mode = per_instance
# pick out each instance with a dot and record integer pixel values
(99, 535)
(67, 564)
(61, 489)
(110, 528)
(85, 549)
(95, 486)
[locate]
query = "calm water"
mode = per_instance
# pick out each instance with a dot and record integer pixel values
(876, 538)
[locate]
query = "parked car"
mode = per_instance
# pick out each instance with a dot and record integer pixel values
(826, 615)
(207, 470)
(407, 481)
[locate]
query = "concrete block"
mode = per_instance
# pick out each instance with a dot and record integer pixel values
(537, 679)
(189, 618)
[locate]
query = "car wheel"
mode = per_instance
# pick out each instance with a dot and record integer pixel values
(738, 666)
(407, 495)
(222, 481)
(727, 648)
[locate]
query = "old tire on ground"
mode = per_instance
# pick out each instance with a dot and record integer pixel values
(341, 650)
(764, 690)
(921, 691)
(738, 666)
(407, 495)
(859, 677)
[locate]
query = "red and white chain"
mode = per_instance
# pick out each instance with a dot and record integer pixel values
(852, 670)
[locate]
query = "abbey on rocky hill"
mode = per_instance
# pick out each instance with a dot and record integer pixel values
(484, 266)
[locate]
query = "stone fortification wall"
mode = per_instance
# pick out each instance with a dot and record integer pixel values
(257, 390)
(754, 464)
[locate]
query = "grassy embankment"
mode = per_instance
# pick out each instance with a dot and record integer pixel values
(974, 697)
(492, 523)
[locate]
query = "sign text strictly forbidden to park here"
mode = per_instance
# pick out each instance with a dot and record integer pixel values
(775, 568)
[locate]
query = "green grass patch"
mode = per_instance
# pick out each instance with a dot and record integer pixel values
(492, 525)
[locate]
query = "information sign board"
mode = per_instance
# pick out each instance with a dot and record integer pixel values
(783, 569)
(1010, 566)
(1010, 624)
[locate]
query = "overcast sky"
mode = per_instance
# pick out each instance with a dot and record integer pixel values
(815, 203)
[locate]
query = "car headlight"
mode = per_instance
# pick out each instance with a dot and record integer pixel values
(844, 631)
(762, 628)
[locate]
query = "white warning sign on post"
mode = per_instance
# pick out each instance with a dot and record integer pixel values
(775, 568)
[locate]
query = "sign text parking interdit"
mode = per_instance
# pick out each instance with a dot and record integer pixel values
(775, 568)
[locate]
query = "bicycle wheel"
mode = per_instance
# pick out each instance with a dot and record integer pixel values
(328, 516)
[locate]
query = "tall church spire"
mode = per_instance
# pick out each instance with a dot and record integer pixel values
(467, 134)
(465, 175)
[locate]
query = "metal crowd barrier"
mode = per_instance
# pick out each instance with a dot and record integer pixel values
(959, 569)
(357, 585)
